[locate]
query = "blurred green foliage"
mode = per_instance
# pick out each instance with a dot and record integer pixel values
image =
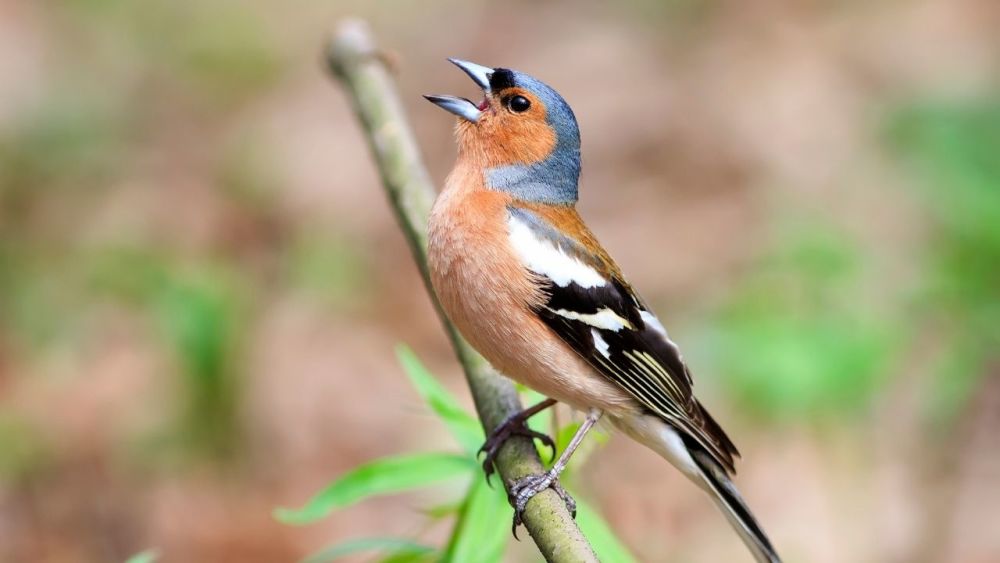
(24, 449)
(51, 159)
(65, 155)
(953, 151)
(199, 312)
(792, 342)
(797, 340)
(201, 315)
(396, 550)
(148, 556)
(66, 141)
(329, 269)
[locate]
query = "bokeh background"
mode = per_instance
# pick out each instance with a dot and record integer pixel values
(201, 285)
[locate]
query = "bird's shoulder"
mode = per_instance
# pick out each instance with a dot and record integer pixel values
(533, 227)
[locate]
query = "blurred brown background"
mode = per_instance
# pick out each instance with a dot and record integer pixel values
(201, 285)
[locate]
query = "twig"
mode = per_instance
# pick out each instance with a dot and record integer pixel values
(355, 61)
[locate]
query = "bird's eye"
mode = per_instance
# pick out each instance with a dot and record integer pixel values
(518, 104)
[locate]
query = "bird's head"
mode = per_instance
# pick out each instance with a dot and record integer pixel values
(522, 133)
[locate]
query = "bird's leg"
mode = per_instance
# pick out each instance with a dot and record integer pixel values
(515, 425)
(522, 490)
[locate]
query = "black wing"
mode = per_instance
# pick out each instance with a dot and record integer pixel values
(588, 304)
(634, 352)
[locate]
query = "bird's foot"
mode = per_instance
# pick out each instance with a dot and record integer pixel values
(516, 425)
(525, 488)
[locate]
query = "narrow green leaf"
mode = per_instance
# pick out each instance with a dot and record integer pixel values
(429, 557)
(606, 544)
(440, 511)
(393, 546)
(480, 533)
(466, 429)
(382, 476)
(147, 556)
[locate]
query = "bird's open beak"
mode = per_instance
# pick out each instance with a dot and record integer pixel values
(462, 107)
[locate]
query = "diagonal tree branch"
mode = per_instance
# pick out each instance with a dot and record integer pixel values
(354, 60)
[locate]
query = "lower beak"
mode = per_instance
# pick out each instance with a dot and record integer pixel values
(459, 106)
(463, 107)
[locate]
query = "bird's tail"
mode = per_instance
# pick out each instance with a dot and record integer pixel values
(719, 486)
(686, 454)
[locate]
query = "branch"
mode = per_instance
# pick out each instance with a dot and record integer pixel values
(355, 61)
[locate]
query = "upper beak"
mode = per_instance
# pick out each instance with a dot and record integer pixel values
(462, 107)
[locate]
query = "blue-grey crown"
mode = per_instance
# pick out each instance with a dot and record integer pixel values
(555, 179)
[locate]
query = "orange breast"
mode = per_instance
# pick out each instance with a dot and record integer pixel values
(487, 293)
(482, 286)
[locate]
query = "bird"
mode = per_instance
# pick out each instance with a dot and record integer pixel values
(527, 283)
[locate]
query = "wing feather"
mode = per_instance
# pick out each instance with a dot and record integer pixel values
(634, 351)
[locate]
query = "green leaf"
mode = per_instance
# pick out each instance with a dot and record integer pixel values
(480, 533)
(440, 511)
(430, 557)
(463, 426)
(606, 544)
(393, 546)
(147, 556)
(382, 476)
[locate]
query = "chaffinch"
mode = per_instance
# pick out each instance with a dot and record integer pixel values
(531, 288)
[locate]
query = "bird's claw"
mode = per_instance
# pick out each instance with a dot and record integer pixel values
(525, 488)
(513, 426)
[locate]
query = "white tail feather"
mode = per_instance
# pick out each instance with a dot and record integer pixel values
(701, 469)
